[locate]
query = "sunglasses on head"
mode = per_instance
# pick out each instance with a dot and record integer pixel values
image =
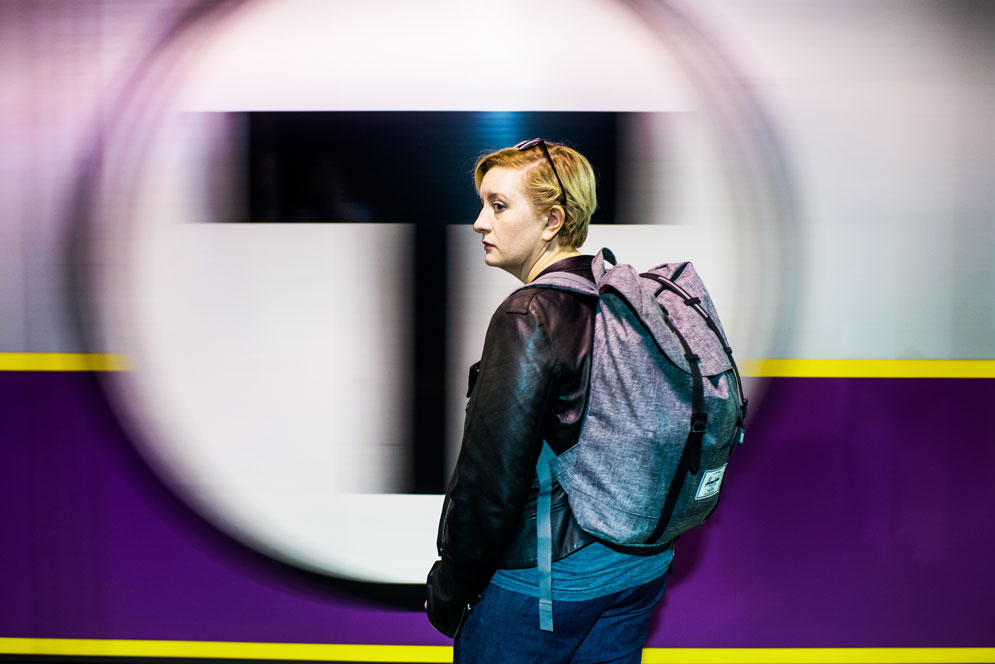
(525, 145)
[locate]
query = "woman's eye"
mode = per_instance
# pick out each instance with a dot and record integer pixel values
(498, 205)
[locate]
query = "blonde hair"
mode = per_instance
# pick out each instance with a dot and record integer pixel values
(542, 189)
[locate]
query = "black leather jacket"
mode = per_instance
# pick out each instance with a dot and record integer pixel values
(532, 386)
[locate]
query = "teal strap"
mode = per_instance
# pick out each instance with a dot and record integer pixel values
(544, 537)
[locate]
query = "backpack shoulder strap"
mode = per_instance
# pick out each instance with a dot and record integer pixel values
(575, 283)
(563, 281)
(544, 536)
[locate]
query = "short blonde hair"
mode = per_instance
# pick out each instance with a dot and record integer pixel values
(542, 189)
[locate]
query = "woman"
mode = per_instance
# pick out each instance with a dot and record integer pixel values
(531, 386)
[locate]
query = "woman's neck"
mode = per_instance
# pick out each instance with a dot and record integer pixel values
(549, 257)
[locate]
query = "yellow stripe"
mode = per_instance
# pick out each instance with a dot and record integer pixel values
(769, 368)
(62, 362)
(320, 652)
(804, 368)
(391, 653)
(816, 655)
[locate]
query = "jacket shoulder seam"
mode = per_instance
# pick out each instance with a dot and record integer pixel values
(521, 301)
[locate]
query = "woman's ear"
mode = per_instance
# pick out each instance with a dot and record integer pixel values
(554, 222)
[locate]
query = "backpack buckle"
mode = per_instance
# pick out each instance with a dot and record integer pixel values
(698, 422)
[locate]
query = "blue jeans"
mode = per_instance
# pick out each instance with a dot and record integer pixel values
(503, 628)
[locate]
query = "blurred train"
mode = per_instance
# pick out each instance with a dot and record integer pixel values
(240, 292)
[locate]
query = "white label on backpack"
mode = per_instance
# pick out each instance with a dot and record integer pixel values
(711, 482)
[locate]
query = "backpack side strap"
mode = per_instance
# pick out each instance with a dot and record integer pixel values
(690, 461)
(695, 304)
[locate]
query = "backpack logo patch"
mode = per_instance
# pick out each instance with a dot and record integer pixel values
(711, 482)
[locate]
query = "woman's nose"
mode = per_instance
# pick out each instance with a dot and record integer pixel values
(480, 224)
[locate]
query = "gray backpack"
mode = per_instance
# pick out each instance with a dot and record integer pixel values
(665, 409)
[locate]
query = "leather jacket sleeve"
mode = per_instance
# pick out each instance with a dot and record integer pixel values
(502, 436)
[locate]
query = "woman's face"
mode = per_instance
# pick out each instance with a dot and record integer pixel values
(511, 229)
